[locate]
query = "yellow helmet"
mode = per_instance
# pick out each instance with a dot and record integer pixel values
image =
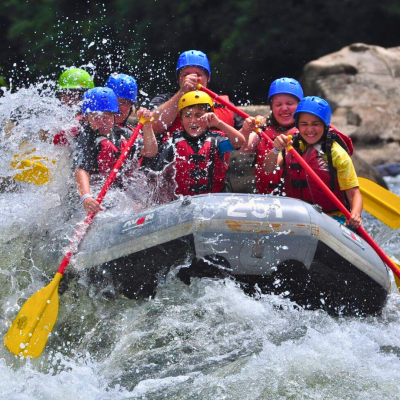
(193, 98)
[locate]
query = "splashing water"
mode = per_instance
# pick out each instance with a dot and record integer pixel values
(207, 340)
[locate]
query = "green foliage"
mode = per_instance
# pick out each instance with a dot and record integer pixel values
(3, 82)
(249, 42)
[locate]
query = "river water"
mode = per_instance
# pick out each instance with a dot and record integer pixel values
(204, 341)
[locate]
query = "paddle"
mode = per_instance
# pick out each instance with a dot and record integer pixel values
(392, 265)
(29, 332)
(363, 233)
(379, 202)
(32, 169)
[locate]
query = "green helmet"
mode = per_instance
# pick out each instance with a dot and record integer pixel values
(75, 78)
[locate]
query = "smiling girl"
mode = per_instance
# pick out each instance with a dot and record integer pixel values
(325, 153)
(283, 97)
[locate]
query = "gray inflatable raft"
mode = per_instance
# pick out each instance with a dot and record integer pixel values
(274, 244)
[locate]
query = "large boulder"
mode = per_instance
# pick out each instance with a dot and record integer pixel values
(362, 84)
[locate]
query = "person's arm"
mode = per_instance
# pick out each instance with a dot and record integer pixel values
(274, 158)
(82, 182)
(348, 182)
(165, 114)
(83, 162)
(248, 131)
(236, 138)
(356, 203)
(150, 146)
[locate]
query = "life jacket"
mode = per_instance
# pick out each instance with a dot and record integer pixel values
(220, 110)
(200, 170)
(109, 149)
(341, 138)
(273, 182)
(268, 182)
(297, 183)
(61, 138)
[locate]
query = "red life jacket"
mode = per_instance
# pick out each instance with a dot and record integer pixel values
(202, 171)
(221, 111)
(109, 153)
(267, 183)
(299, 186)
(346, 140)
(61, 138)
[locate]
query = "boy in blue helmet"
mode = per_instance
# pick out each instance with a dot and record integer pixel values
(125, 88)
(192, 68)
(100, 142)
(326, 153)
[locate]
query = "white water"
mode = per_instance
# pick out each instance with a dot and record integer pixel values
(204, 341)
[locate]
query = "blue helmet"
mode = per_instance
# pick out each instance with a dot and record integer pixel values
(285, 86)
(316, 106)
(124, 86)
(99, 99)
(193, 58)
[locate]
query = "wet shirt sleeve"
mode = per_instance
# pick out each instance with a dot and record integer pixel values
(84, 153)
(343, 164)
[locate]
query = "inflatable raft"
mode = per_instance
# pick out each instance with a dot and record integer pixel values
(270, 244)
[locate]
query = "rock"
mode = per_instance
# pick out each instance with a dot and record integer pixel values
(392, 169)
(362, 84)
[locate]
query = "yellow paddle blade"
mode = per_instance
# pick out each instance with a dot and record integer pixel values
(31, 168)
(396, 278)
(32, 171)
(29, 332)
(381, 203)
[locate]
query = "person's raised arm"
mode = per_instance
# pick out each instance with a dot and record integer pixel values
(248, 131)
(150, 146)
(165, 114)
(236, 138)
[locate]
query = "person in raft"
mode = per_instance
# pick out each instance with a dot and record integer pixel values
(99, 144)
(198, 153)
(283, 97)
(192, 67)
(71, 85)
(327, 155)
(125, 88)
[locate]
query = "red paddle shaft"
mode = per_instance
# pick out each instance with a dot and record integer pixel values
(236, 110)
(363, 233)
(83, 227)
